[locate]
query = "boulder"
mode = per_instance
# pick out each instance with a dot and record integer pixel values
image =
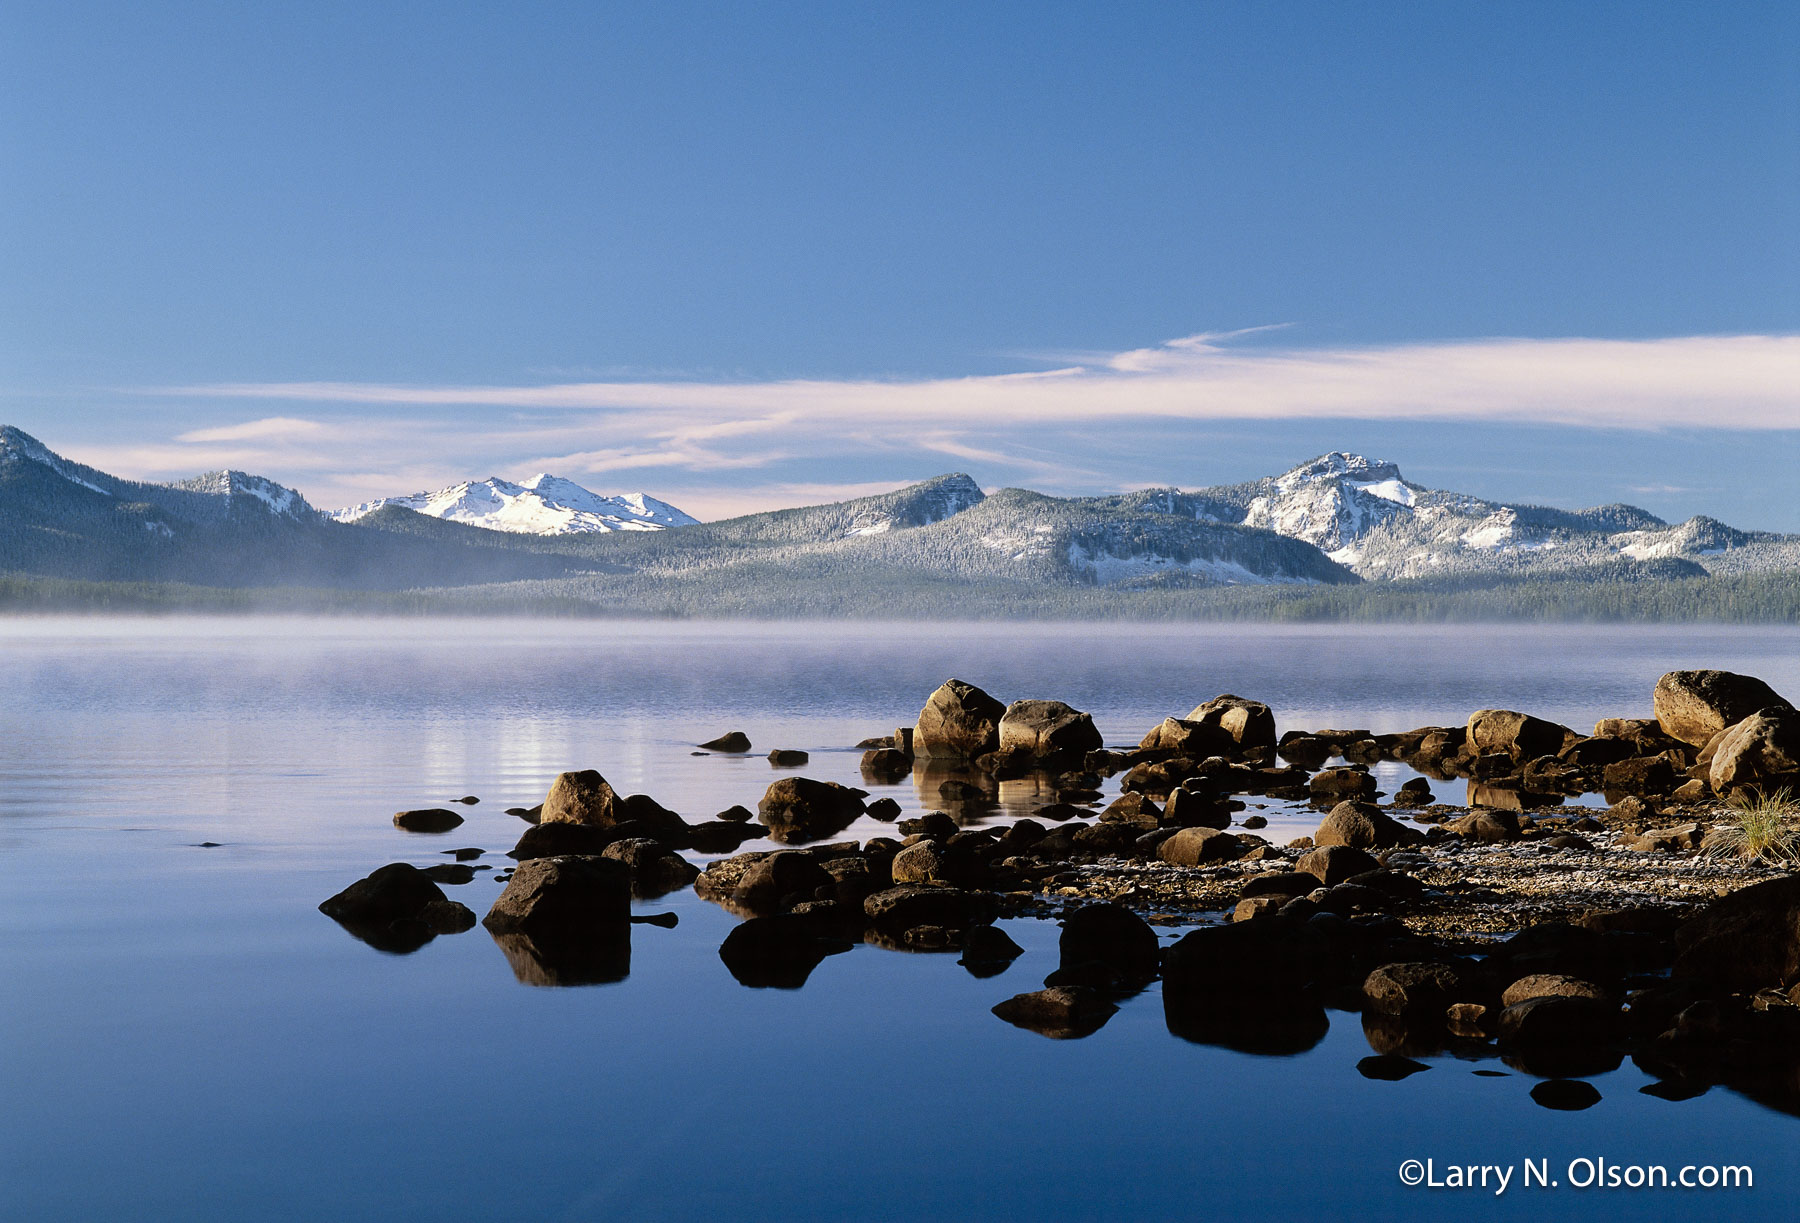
(909, 905)
(1693, 706)
(1517, 735)
(1195, 846)
(1250, 724)
(1413, 991)
(1670, 840)
(1746, 941)
(788, 758)
(554, 840)
(1335, 864)
(656, 870)
(562, 897)
(798, 809)
(786, 873)
(1041, 729)
(427, 819)
(1550, 985)
(885, 765)
(1257, 957)
(1639, 775)
(1188, 809)
(721, 836)
(1759, 753)
(1061, 1013)
(1488, 827)
(1133, 808)
(1112, 935)
(582, 797)
(959, 722)
(734, 741)
(1255, 907)
(1560, 1019)
(397, 909)
(1280, 884)
(1336, 785)
(1363, 825)
(924, 862)
(1193, 740)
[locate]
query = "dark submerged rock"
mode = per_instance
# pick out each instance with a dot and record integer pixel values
(427, 819)
(733, 741)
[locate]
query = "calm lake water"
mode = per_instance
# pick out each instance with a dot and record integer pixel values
(183, 1036)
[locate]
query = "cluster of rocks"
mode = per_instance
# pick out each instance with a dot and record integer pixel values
(1642, 950)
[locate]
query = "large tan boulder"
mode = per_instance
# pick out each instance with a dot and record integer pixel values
(582, 797)
(1249, 723)
(1047, 728)
(1762, 752)
(1515, 734)
(1693, 706)
(959, 722)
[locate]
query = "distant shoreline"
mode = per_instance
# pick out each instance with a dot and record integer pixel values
(1759, 599)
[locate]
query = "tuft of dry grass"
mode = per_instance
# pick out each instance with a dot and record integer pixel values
(1759, 826)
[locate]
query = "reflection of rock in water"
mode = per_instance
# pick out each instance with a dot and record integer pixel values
(598, 957)
(1061, 1012)
(1020, 796)
(1271, 1025)
(777, 952)
(396, 909)
(967, 794)
(1399, 1036)
(1509, 798)
(1565, 1095)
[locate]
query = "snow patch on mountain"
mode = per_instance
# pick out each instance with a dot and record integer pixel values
(542, 505)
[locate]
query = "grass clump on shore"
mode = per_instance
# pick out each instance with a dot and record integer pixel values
(1760, 826)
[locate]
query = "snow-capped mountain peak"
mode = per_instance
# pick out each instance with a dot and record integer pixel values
(1332, 501)
(543, 505)
(276, 498)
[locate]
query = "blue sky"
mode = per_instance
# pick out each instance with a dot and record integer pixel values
(743, 255)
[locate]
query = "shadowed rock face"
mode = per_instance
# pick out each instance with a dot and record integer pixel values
(1693, 706)
(566, 897)
(799, 809)
(1747, 941)
(959, 722)
(397, 909)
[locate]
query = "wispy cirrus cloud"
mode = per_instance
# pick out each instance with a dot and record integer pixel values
(1743, 382)
(1093, 420)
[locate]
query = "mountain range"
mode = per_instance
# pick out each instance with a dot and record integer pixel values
(1340, 520)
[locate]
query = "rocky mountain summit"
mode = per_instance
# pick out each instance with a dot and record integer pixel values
(1365, 515)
